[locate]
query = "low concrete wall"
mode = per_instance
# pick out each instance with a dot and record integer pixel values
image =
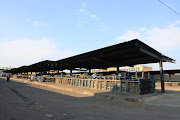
(172, 84)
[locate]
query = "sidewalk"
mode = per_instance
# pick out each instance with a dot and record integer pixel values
(103, 94)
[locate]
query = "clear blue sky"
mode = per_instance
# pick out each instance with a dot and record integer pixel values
(54, 29)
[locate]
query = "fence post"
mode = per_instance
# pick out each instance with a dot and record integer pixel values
(110, 85)
(56, 80)
(142, 74)
(105, 85)
(148, 75)
(71, 81)
(89, 83)
(115, 86)
(82, 83)
(136, 75)
(63, 80)
(96, 86)
(85, 83)
(76, 84)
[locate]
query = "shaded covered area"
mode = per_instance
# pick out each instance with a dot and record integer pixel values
(124, 54)
(129, 53)
(42, 66)
(37, 67)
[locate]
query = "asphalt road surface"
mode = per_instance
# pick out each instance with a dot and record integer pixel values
(20, 101)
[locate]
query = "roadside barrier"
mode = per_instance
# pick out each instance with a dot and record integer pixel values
(141, 86)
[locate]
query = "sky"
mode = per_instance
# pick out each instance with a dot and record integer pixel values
(36, 30)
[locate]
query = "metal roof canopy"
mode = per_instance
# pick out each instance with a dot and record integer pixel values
(45, 65)
(124, 54)
(37, 67)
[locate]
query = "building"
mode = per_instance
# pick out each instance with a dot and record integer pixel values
(136, 68)
(5, 68)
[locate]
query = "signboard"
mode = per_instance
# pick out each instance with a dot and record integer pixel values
(129, 69)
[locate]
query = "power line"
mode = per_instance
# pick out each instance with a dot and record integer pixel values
(169, 7)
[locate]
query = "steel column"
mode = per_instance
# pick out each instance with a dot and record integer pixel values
(117, 69)
(70, 72)
(89, 71)
(162, 76)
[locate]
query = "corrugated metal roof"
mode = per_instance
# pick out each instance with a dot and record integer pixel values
(124, 54)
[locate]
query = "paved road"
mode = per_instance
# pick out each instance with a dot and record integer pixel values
(20, 101)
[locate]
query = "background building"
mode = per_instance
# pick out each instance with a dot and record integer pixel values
(136, 68)
(3, 68)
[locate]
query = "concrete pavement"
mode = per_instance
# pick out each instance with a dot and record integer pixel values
(20, 101)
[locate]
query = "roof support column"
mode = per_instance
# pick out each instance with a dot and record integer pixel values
(162, 76)
(70, 72)
(117, 69)
(89, 71)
